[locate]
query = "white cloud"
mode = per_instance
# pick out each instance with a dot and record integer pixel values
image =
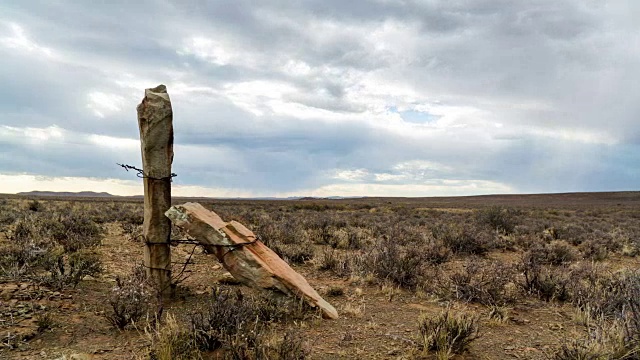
(33, 136)
(421, 166)
(350, 175)
(114, 142)
(212, 50)
(439, 188)
(392, 96)
(19, 40)
(259, 97)
(102, 104)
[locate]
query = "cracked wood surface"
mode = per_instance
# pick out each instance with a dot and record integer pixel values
(254, 265)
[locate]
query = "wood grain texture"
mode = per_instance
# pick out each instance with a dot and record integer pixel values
(254, 265)
(155, 120)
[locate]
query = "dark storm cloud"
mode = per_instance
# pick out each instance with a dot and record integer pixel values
(281, 96)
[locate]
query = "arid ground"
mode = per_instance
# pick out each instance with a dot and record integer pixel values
(487, 277)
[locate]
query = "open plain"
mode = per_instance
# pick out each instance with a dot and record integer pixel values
(489, 277)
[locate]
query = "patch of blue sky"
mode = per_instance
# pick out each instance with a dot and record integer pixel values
(414, 116)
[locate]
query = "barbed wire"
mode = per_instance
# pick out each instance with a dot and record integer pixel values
(140, 173)
(196, 242)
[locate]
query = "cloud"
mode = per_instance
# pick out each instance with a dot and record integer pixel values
(378, 97)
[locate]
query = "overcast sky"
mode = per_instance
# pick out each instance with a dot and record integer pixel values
(327, 97)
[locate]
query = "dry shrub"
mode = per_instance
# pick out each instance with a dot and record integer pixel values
(52, 250)
(18, 261)
(238, 325)
(629, 243)
(357, 238)
(72, 231)
(402, 265)
(606, 340)
(593, 250)
(545, 282)
(132, 232)
(487, 283)
(447, 334)
(609, 296)
(289, 347)
(131, 300)
(35, 206)
(75, 232)
(462, 239)
(44, 322)
(558, 252)
(69, 269)
(169, 341)
(436, 252)
(334, 291)
(581, 350)
(598, 244)
(8, 215)
(294, 254)
(497, 218)
(336, 262)
(572, 233)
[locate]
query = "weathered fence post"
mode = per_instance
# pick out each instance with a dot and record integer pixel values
(155, 119)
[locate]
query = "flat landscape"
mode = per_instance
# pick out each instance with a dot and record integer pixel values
(552, 276)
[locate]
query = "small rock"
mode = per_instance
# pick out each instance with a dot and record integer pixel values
(228, 279)
(81, 356)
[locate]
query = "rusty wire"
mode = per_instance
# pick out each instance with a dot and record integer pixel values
(140, 173)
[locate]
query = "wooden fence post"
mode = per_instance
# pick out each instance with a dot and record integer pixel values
(155, 120)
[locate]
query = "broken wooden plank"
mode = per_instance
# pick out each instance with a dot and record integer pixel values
(253, 264)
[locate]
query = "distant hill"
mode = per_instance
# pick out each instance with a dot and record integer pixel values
(66, 194)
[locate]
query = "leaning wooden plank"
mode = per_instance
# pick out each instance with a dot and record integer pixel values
(253, 264)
